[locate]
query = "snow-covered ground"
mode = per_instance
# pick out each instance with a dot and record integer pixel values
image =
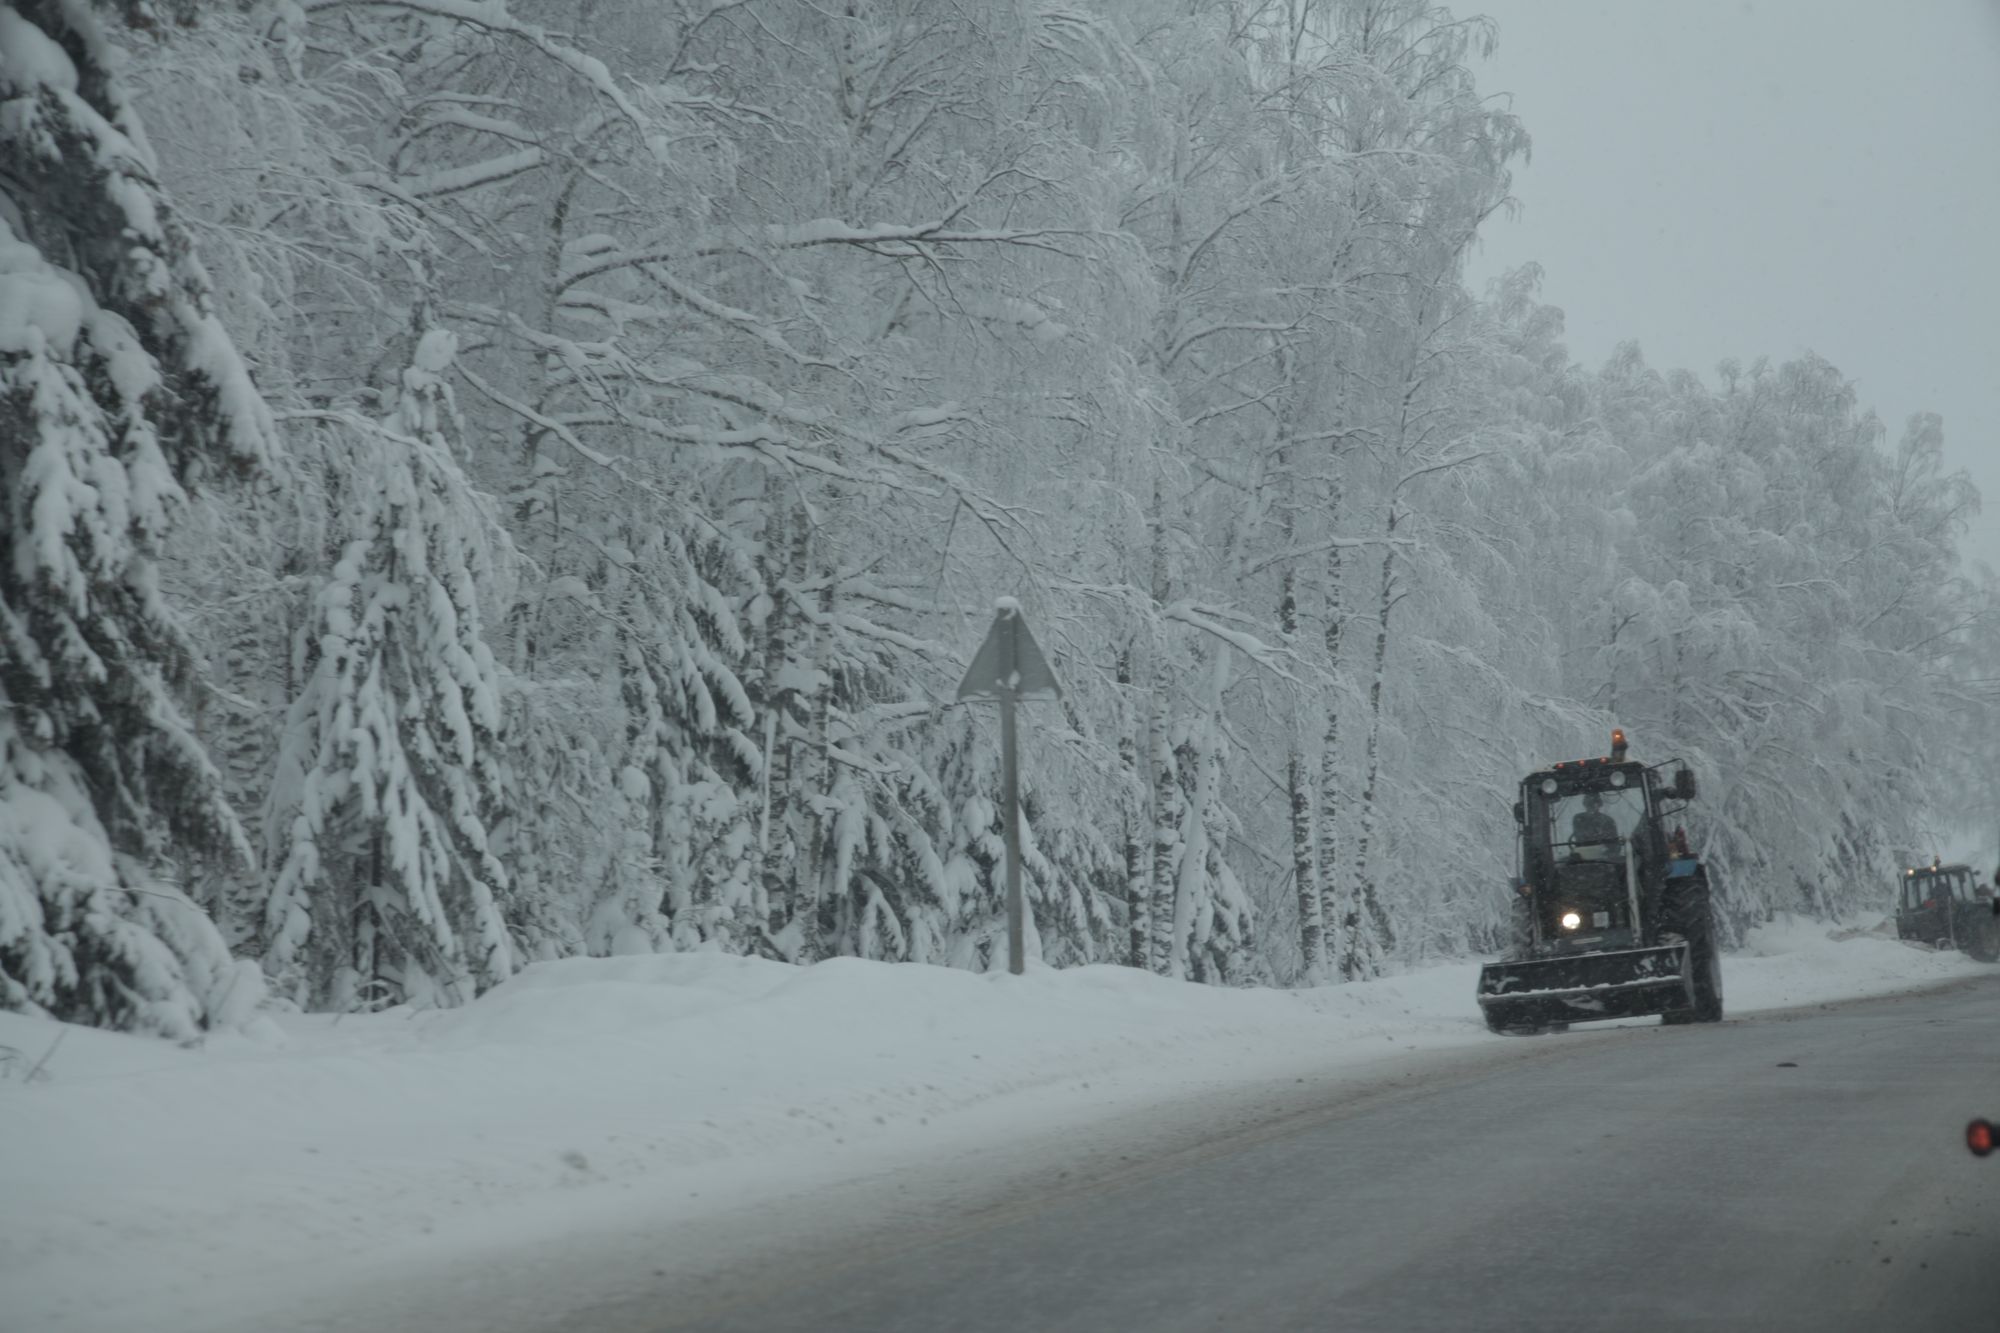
(143, 1185)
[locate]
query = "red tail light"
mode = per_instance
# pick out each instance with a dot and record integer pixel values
(1979, 1137)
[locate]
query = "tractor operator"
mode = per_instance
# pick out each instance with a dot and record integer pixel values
(1592, 827)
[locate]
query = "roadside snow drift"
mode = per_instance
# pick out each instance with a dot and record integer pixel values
(139, 1176)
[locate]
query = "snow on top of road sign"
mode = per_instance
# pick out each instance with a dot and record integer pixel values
(1009, 661)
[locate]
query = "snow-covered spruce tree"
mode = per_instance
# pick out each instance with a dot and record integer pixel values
(118, 387)
(389, 891)
(680, 874)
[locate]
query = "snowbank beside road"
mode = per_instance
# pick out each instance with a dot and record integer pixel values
(135, 1175)
(1794, 961)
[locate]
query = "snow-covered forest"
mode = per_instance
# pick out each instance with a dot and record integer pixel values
(492, 480)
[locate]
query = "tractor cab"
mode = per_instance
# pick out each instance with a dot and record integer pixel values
(1594, 850)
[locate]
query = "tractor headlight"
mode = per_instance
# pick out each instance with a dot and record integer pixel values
(1570, 920)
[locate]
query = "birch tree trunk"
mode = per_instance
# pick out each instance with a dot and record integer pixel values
(1329, 759)
(1298, 791)
(1166, 836)
(817, 883)
(1165, 785)
(1364, 924)
(1137, 885)
(1189, 894)
(786, 553)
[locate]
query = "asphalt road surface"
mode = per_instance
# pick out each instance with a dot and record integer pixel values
(1792, 1171)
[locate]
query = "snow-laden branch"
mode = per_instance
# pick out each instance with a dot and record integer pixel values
(492, 16)
(1209, 620)
(833, 231)
(1324, 545)
(1445, 466)
(892, 240)
(770, 446)
(860, 626)
(454, 116)
(1181, 344)
(457, 180)
(550, 424)
(1267, 191)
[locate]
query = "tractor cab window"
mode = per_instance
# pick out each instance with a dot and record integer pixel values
(1935, 888)
(1596, 825)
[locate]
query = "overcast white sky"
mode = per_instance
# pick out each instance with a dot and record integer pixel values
(1742, 177)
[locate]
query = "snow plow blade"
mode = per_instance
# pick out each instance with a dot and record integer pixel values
(1577, 988)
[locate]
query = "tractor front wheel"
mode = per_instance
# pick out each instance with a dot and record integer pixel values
(1525, 1029)
(1691, 916)
(1979, 936)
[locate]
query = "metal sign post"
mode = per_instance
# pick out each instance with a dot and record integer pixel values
(1009, 668)
(1010, 810)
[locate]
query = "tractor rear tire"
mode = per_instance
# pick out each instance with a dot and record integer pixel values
(1690, 915)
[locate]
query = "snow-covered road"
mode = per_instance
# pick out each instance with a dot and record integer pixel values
(598, 1131)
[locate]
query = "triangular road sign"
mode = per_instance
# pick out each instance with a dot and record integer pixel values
(1010, 662)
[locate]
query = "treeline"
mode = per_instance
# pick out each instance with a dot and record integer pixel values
(651, 399)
